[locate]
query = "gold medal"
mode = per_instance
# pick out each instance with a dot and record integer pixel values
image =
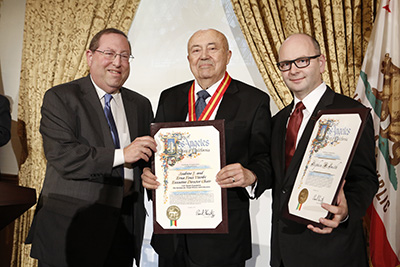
(173, 213)
(302, 198)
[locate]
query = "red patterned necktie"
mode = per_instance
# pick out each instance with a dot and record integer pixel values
(291, 132)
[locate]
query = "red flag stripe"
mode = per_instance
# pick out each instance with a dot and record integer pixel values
(382, 254)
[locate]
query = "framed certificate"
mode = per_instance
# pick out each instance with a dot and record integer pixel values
(325, 163)
(189, 156)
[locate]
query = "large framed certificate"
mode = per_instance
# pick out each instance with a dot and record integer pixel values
(325, 163)
(189, 156)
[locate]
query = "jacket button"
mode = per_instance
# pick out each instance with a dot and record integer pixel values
(283, 191)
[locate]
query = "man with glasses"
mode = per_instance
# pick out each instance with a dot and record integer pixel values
(95, 136)
(341, 241)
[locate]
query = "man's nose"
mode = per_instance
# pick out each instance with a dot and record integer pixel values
(117, 60)
(204, 53)
(293, 68)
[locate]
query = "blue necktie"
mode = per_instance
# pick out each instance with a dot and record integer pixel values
(201, 102)
(113, 127)
(110, 120)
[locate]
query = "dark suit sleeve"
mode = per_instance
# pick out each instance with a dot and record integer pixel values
(260, 143)
(361, 180)
(5, 121)
(71, 137)
(160, 114)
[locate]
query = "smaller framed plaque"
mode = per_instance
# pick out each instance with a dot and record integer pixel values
(189, 156)
(325, 164)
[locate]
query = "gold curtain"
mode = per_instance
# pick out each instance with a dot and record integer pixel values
(56, 36)
(342, 27)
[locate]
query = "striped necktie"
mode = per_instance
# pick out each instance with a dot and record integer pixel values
(113, 127)
(110, 120)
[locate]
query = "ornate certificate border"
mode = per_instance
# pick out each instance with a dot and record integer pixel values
(189, 156)
(325, 164)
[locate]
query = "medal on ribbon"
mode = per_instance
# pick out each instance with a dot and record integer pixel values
(173, 214)
(302, 198)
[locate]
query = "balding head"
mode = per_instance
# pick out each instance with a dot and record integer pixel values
(208, 55)
(301, 48)
(218, 34)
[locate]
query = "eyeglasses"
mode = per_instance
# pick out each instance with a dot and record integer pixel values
(111, 55)
(300, 63)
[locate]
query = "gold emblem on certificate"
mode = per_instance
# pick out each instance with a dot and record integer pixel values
(302, 198)
(173, 213)
(188, 158)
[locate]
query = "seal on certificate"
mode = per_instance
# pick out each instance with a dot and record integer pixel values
(302, 198)
(173, 213)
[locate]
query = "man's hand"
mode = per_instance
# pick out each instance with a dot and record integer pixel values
(149, 180)
(340, 213)
(141, 148)
(235, 175)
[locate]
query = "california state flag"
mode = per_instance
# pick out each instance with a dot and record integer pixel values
(379, 88)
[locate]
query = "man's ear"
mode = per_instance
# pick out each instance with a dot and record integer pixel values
(229, 57)
(89, 57)
(322, 63)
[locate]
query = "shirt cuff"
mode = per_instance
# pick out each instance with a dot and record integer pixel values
(118, 157)
(345, 219)
(251, 189)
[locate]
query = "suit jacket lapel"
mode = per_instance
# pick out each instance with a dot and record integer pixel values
(230, 100)
(131, 113)
(280, 139)
(93, 100)
(178, 110)
(182, 103)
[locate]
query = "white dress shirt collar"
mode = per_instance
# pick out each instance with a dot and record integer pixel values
(100, 92)
(310, 102)
(211, 90)
(312, 99)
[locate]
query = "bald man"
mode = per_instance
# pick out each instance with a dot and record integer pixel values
(341, 241)
(246, 112)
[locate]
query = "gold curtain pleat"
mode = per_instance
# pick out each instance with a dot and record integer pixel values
(342, 27)
(56, 36)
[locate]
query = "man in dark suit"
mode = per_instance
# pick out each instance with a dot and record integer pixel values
(5, 120)
(91, 211)
(341, 241)
(247, 131)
